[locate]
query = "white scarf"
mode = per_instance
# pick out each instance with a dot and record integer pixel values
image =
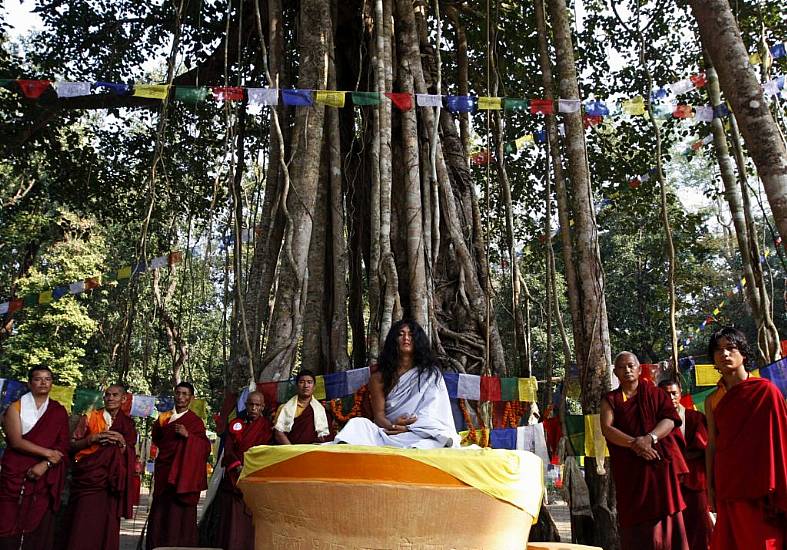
(682, 414)
(29, 413)
(176, 415)
(287, 416)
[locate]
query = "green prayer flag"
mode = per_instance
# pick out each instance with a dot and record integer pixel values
(509, 148)
(513, 103)
(86, 400)
(285, 390)
(699, 398)
(509, 389)
(575, 425)
(5, 81)
(30, 300)
(366, 98)
(191, 94)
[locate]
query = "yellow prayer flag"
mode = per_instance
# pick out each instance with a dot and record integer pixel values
(63, 395)
(743, 281)
(45, 297)
(154, 91)
(706, 375)
(330, 98)
(319, 387)
(716, 311)
(527, 389)
(755, 58)
(124, 272)
(755, 373)
(634, 106)
(486, 103)
(594, 439)
(523, 140)
(199, 407)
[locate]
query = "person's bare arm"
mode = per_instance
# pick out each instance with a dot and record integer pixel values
(281, 438)
(377, 396)
(710, 453)
(13, 433)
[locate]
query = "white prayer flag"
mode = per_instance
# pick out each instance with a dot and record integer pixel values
(469, 387)
(3, 308)
(567, 105)
(77, 287)
(707, 139)
(159, 262)
(72, 89)
(263, 96)
(703, 113)
(681, 86)
(428, 100)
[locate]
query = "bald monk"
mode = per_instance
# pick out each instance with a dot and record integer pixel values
(102, 474)
(692, 438)
(746, 459)
(32, 472)
(302, 419)
(180, 473)
(637, 420)
(235, 528)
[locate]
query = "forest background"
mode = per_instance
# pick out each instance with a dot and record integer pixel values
(364, 214)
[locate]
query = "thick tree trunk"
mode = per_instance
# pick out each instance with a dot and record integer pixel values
(287, 319)
(721, 38)
(595, 374)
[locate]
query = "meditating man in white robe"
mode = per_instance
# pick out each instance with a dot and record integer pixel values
(409, 397)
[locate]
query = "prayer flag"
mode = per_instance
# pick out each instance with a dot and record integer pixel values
(469, 387)
(778, 51)
(92, 282)
(486, 103)
(451, 383)
(45, 297)
(429, 100)
(263, 96)
(707, 139)
(227, 93)
(32, 89)
(356, 378)
(658, 93)
(681, 86)
(124, 272)
(490, 388)
(284, 391)
(63, 395)
(770, 88)
(164, 403)
(704, 113)
(634, 182)
(706, 375)
(175, 257)
(777, 374)
(720, 111)
(153, 91)
(683, 111)
(319, 388)
(460, 103)
(143, 405)
(700, 397)
(543, 106)
(755, 59)
(30, 300)
(330, 98)
(696, 145)
(634, 106)
(3, 308)
(521, 141)
(481, 158)
(568, 105)
(270, 391)
(503, 438)
(699, 80)
(511, 103)
(509, 148)
(72, 89)
(664, 110)
(117, 88)
(591, 120)
(240, 406)
(199, 407)
(528, 389)
(191, 94)
(595, 443)
(336, 385)
(15, 305)
(14, 390)
(5, 82)
(403, 101)
(596, 108)
(540, 136)
(509, 389)
(366, 98)
(86, 400)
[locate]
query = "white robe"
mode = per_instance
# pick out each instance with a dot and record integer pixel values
(427, 399)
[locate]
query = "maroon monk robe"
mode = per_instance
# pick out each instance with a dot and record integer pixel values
(179, 477)
(303, 431)
(750, 467)
(32, 515)
(649, 500)
(696, 517)
(103, 480)
(236, 528)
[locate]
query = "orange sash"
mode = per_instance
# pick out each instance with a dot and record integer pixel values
(95, 424)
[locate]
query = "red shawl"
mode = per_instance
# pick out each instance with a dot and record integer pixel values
(751, 443)
(645, 490)
(181, 461)
(696, 439)
(303, 431)
(110, 468)
(50, 432)
(242, 436)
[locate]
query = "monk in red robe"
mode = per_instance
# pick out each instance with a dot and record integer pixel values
(302, 419)
(692, 438)
(637, 420)
(747, 451)
(33, 471)
(234, 527)
(180, 474)
(102, 476)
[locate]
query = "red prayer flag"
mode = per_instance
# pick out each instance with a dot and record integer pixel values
(696, 145)
(545, 106)
(175, 257)
(592, 120)
(270, 391)
(699, 80)
(15, 305)
(687, 401)
(92, 282)
(402, 100)
(783, 345)
(228, 93)
(634, 183)
(33, 88)
(683, 111)
(480, 158)
(490, 388)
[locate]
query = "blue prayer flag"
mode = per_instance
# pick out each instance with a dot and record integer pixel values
(297, 98)
(336, 385)
(451, 383)
(59, 291)
(658, 93)
(778, 51)
(460, 103)
(14, 389)
(503, 439)
(596, 108)
(720, 111)
(685, 363)
(777, 374)
(117, 88)
(540, 136)
(164, 403)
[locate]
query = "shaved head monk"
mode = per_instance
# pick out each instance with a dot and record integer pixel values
(302, 419)
(746, 458)
(180, 473)
(102, 474)
(692, 438)
(235, 528)
(637, 421)
(33, 471)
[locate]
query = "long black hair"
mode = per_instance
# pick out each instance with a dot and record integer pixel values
(423, 360)
(734, 336)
